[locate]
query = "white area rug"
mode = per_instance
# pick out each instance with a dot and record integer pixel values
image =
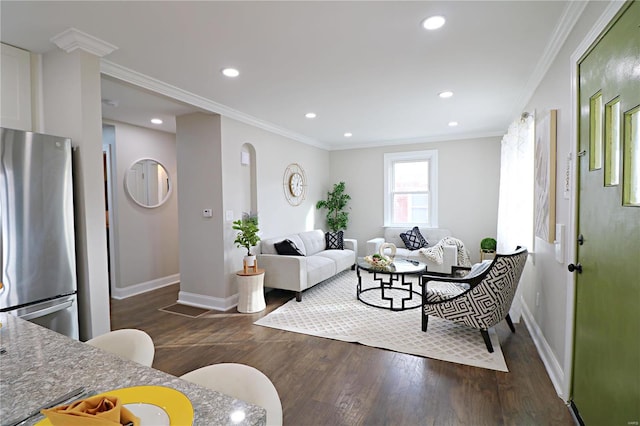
(331, 309)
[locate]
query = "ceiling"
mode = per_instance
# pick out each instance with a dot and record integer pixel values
(368, 68)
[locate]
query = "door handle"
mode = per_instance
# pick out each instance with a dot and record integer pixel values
(576, 267)
(47, 311)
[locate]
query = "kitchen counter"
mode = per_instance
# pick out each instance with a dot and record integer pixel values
(40, 365)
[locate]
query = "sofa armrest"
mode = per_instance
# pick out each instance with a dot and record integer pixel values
(373, 245)
(351, 244)
(284, 272)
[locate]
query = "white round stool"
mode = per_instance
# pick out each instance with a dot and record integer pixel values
(251, 291)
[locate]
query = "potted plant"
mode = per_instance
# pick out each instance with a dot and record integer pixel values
(336, 202)
(488, 245)
(247, 236)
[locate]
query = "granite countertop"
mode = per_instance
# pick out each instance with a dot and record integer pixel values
(40, 365)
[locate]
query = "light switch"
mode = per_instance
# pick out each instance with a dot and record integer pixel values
(207, 213)
(229, 215)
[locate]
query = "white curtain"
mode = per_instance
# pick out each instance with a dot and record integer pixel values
(515, 203)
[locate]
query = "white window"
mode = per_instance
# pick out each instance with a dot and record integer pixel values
(411, 188)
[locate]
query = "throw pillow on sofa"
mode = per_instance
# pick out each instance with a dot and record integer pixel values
(288, 247)
(334, 240)
(413, 239)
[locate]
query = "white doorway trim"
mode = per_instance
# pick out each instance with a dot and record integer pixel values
(108, 148)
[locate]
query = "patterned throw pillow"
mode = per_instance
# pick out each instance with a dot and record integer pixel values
(413, 239)
(288, 247)
(334, 240)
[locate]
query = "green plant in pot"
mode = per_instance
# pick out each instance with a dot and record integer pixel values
(336, 203)
(488, 245)
(247, 236)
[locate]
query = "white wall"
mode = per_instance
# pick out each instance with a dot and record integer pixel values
(275, 215)
(468, 174)
(549, 319)
(146, 250)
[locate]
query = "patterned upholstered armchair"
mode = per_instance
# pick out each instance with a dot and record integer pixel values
(479, 300)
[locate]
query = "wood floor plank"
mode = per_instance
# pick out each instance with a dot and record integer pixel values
(329, 382)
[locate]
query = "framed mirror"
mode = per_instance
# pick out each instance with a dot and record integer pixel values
(147, 182)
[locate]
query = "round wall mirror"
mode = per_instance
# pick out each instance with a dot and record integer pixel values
(147, 183)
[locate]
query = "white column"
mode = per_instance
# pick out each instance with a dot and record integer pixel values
(71, 106)
(202, 256)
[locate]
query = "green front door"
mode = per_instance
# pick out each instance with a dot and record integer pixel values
(606, 373)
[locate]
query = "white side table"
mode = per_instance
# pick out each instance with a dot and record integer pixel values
(250, 291)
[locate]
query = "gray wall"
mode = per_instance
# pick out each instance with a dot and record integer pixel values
(198, 143)
(146, 240)
(468, 175)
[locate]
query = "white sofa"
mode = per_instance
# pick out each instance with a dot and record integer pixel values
(298, 273)
(432, 235)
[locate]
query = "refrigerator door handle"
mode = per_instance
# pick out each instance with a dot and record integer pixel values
(47, 310)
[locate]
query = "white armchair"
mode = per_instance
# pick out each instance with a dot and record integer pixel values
(432, 235)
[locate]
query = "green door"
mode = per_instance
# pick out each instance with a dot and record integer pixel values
(606, 371)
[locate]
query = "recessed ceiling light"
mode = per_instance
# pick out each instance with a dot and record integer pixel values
(453, 123)
(230, 72)
(348, 135)
(156, 121)
(310, 115)
(433, 22)
(445, 94)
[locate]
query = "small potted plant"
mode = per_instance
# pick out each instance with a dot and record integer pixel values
(488, 245)
(247, 237)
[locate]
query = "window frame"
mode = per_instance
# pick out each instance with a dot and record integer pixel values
(431, 156)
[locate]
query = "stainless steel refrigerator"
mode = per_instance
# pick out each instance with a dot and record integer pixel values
(37, 230)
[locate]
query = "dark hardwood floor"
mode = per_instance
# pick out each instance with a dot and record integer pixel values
(328, 382)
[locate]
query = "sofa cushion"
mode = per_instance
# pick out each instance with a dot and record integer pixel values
(319, 268)
(313, 241)
(342, 258)
(334, 240)
(287, 247)
(267, 246)
(413, 239)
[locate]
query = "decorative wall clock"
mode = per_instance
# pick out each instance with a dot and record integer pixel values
(294, 184)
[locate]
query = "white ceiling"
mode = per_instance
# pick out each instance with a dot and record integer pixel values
(368, 68)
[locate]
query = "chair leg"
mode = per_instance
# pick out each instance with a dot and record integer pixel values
(487, 340)
(425, 320)
(508, 318)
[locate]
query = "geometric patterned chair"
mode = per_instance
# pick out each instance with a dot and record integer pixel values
(481, 299)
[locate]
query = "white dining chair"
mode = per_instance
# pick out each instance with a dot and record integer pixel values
(129, 343)
(243, 382)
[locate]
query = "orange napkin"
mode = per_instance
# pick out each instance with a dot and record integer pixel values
(95, 411)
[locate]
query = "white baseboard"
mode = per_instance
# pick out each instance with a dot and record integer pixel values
(133, 290)
(207, 302)
(553, 367)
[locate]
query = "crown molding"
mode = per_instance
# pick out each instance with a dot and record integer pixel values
(72, 39)
(138, 79)
(567, 21)
(431, 139)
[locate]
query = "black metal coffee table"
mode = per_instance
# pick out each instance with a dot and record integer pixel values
(399, 272)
